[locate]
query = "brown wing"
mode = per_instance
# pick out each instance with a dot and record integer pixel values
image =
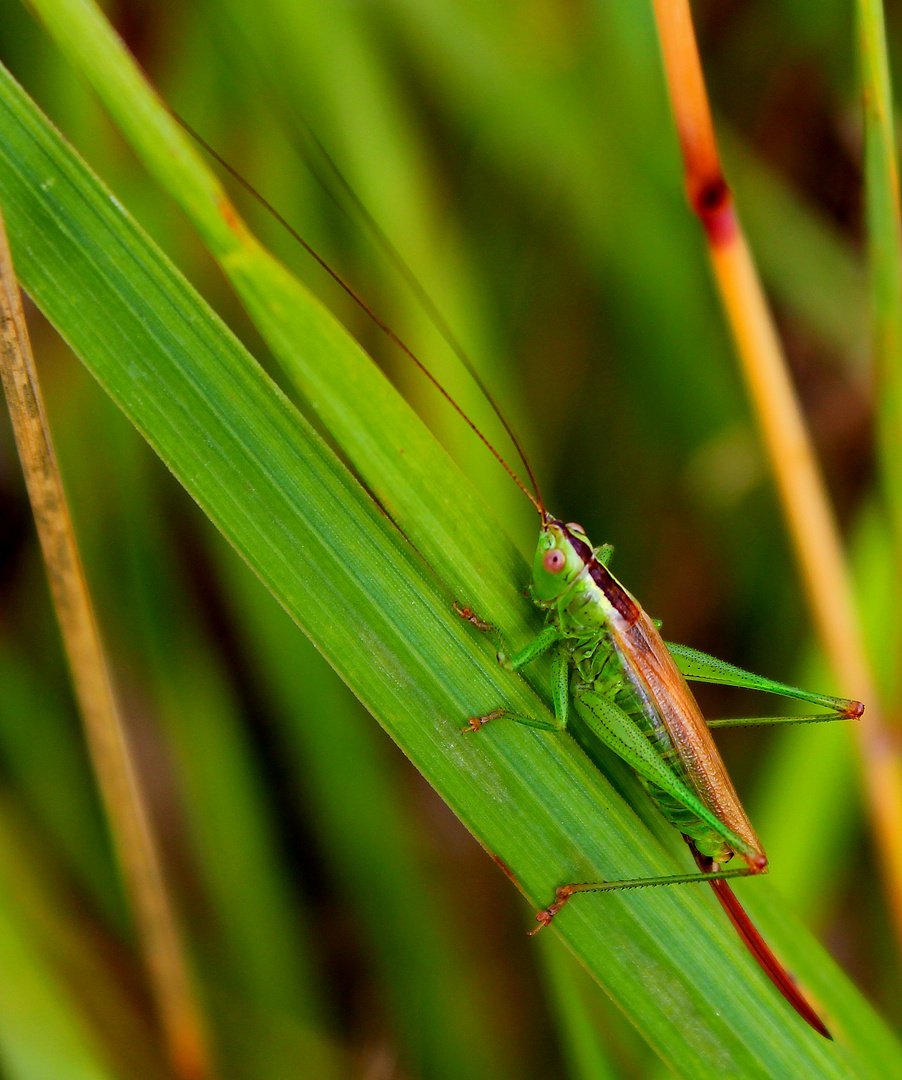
(646, 655)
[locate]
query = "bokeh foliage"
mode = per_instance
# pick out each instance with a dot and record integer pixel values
(521, 158)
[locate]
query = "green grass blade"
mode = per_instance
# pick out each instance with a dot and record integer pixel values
(583, 1047)
(46, 759)
(252, 942)
(884, 233)
(352, 397)
(74, 964)
(884, 241)
(43, 1034)
(369, 842)
(382, 155)
(342, 571)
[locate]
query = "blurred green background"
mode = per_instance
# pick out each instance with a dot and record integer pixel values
(521, 159)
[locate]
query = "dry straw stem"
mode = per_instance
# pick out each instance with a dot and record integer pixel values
(812, 525)
(106, 737)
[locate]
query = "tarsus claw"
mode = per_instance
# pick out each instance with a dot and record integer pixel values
(543, 918)
(476, 722)
(471, 617)
(562, 894)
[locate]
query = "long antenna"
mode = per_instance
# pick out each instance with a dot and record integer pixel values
(432, 310)
(403, 269)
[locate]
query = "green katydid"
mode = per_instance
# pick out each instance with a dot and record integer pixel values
(628, 686)
(630, 690)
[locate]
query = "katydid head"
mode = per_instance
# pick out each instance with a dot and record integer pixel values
(561, 555)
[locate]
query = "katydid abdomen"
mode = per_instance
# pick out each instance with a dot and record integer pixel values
(609, 670)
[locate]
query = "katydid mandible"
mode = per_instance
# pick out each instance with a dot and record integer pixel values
(629, 688)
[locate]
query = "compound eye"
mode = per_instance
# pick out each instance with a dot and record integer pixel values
(554, 561)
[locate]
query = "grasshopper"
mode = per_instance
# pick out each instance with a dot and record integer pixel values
(629, 689)
(628, 686)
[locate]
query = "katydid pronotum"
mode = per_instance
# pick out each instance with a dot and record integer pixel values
(628, 687)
